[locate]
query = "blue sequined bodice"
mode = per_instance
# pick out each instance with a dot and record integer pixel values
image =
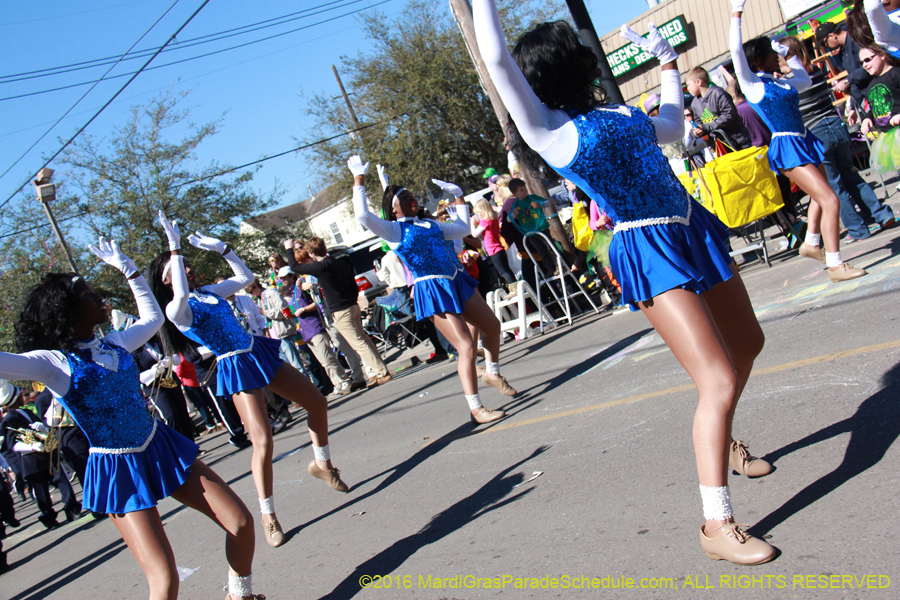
(215, 326)
(780, 108)
(425, 251)
(107, 404)
(619, 165)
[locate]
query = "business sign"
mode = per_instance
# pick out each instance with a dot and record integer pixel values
(630, 57)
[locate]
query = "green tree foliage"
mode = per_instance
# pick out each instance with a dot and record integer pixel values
(114, 187)
(419, 91)
(149, 164)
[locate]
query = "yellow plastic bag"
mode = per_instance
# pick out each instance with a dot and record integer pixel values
(740, 187)
(581, 227)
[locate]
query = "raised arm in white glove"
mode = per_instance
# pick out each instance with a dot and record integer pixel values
(654, 43)
(109, 253)
(780, 49)
(172, 233)
(737, 6)
(356, 166)
(451, 188)
(382, 177)
(204, 242)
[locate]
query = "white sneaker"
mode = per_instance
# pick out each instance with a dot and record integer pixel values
(345, 388)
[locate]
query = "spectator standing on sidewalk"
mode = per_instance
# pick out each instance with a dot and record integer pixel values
(338, 282)
(714, 109)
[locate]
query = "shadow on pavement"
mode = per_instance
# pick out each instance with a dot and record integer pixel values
(873, 428)
(487, 498)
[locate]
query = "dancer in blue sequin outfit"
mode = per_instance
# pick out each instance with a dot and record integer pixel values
(135, 461)
(442, 291)
(793, 151)
(667, 251)
(246, 363)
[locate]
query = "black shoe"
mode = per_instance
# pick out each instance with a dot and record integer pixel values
(240, 441)
(359, 385)
(99, 516)
(278, 425)
(436, 358)
(73, 514)
(286, 416)
(48, 519)
(13, 522)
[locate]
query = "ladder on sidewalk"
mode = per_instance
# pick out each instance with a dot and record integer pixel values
(512, 310)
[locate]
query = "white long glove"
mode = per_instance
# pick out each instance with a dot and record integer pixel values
(40, 427)
(451, 188)
(737, 5)
(356, 166)
(382, 177)
(780, 49)
(204, 242)
(109, 253)
(654, 44)
(172, 233)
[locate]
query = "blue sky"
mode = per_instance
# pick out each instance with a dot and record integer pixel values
(257, 90)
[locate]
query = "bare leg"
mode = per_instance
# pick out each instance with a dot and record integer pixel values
(205, 491)
(251, 406)
(454, 328)
(143, 532)
(479, 315)
(684, 321)
(812, 180)
(292, 385)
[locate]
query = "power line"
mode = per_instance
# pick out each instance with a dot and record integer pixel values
(102, 108)
(212, 37)
(219, 174)
(250, 43)
(83, 96)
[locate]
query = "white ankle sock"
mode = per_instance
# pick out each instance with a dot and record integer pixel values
(813, 239)
(493, 368)
(474, 401)
(267, 506)
(240, 586)
(322, 453)
(716, 503)
(833, 259)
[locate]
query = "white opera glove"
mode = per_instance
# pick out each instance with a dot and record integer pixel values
(204, 242)
(451, 188)
(172, 233)
(654, 44)
(40, 427)
(780, 49)
(356, 166)
(382, 177)
(109, 253)
(37, 447)
(738, 5)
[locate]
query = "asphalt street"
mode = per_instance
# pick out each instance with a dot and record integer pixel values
(587, 489)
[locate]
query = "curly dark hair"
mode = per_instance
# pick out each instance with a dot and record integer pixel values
(756, 51)
(563, 74)
(173, 341)
(387, 202)
(47, 319)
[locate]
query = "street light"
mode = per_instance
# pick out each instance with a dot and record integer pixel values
(46, 193)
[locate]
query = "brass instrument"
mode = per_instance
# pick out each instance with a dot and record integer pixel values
(30, 436)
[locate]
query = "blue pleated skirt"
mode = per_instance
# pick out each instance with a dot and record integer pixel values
(249, 370)
(651, 260)
(439, 295)
(122, 483)
(789, 151)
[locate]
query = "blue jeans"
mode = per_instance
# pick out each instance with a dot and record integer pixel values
(849, 186)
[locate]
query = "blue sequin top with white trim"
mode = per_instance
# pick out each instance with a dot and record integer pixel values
(780, 108)
(619, 165)
(107, 404)
(425, 252)
(215, 326)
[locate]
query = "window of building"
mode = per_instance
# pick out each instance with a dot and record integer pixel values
(338, 239)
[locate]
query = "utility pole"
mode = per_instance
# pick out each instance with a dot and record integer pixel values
(46, 193)
(349, 106)
(462, 12)
(590, 39)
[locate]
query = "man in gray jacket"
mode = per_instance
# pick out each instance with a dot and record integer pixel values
(714, 109)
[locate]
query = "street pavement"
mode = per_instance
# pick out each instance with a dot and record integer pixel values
(439, 508)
